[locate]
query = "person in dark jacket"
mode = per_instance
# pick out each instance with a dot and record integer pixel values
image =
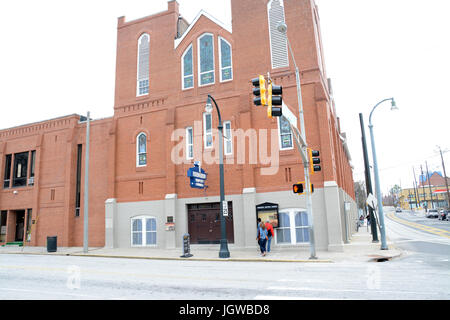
(262, 238)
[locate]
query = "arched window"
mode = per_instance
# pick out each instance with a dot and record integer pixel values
(143, 231)
(226, 69)
(293, 226)
(141, 152)
(143, 65)
(187, 66)
(206, 59)
(278, 43)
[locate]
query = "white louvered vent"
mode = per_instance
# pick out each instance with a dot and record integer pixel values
(144, 51)
(278, 45)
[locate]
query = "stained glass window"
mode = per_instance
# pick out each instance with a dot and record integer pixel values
(206, 49)
(188, 70)
(225, 61)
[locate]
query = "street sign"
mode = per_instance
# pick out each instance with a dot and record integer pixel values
(197, 176)
(372, 201)
(225, 208)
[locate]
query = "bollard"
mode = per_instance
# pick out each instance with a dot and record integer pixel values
(186, 246)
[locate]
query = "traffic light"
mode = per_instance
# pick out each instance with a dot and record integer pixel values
(274, 93)
(314, 160)
(297, 188)
(259, 91)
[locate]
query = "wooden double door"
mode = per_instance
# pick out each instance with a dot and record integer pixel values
(204, 223)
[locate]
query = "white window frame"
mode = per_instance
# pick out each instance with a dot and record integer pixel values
(199, 62)
(189, 132)
(143, 231)
(138, 94)
(139, 153)
(182, 68)
(269, 5)
(205, 131)
(220, 59)
(279, 137)
(227, 138)
(292, 227)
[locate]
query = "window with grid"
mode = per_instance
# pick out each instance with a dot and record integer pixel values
(285, 134)
(141, 150)
(143, 65)
(293, 227)
(143, 231)
(228, 139)
(207, 130)
(206, 59)
(188, 69)
(189, 143)
(226, 70)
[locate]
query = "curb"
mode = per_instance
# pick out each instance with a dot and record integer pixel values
(173, 258)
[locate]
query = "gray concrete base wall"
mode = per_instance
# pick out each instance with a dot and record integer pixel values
(328, 212)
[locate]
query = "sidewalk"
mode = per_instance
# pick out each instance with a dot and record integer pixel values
(359, 249)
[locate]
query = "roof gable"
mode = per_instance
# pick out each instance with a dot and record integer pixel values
(199, 15)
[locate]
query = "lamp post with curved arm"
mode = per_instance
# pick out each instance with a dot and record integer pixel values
(377, 178)
(223, 253)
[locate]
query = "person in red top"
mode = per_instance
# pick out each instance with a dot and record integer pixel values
(270, 234)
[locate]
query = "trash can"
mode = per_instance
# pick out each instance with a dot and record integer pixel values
(51, 244)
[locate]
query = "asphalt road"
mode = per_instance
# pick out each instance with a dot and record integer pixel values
(59, 277)
(426, 240)
(423, 272)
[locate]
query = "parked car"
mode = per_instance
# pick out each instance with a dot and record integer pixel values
(398, 209)
(432, 213)
(443, 214)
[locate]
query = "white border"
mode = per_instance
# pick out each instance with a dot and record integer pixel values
(198, 61)
(190, 47)
(225, 140)
(220, 59)
(143, 231)
(204, 131)
(270, 35)
(187, 143)
(137, 68)
(137, 150)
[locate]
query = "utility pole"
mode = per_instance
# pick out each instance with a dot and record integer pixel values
(445, 178)
(373, 223)
(86, 188)
(423, 189)
(417, 189)
(429, 186)
(409, 199)
(416, 193)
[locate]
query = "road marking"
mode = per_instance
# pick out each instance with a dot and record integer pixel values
(51, 293)
(291, 298)
(347, 290)
(435, 231)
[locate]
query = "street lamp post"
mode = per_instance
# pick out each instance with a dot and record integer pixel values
(282, 28)
(377, 178)
(223, 253)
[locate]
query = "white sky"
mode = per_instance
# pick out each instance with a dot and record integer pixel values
(58, 58)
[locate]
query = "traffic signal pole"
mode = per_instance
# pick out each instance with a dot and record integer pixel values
(303, 149)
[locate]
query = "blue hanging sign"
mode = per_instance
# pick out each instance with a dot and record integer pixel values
(197, 176)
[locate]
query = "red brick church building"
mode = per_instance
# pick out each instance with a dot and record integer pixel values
(139, 192)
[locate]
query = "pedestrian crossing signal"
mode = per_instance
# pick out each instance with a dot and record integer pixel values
(297, 188)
